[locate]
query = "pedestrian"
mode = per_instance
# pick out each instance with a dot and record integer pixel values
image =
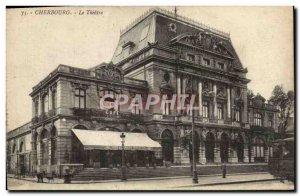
(223, 168)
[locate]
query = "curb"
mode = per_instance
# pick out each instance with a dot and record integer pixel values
(158, 178)
(228, 183)
(161, 178)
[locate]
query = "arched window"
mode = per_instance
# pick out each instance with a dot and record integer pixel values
(53, 146)
(224, 146)
(45, 104)
(259, 149)
(240, 148)
(21, 148)
(14, 149)
(35, 138)
(196, 148)
(54, 100)
(209, 147)
(257, 119)
(167, 144)
(44, 147)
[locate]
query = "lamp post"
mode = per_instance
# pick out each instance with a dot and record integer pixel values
(123, 167)
(195, 175)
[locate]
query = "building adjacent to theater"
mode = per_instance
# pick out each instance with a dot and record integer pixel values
(159, 53)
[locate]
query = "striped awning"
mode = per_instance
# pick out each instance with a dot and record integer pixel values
(110, 140)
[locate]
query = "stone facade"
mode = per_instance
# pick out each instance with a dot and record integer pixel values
(160, 54)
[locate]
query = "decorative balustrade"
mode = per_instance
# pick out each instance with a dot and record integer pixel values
(43, 116)
(97, 113)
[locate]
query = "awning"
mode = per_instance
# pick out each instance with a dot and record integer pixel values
(110, 140)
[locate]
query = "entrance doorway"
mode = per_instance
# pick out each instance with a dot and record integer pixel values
(209, 148)
(196, 150)
(240, 148)
(224, 145)
(167, 145)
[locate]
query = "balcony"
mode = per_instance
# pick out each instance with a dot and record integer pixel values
(43, 116)
(90, 113)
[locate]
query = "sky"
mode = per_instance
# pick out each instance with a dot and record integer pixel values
(37, 44)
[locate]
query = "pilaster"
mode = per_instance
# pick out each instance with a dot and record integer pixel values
(200, 98)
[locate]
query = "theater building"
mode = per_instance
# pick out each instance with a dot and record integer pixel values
(164, 54)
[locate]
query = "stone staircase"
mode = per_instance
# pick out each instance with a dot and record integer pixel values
(98, 174)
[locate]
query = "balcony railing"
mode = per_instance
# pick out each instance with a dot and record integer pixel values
(97, 113)
(43, 116)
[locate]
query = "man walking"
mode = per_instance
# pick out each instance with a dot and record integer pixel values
(223, 168)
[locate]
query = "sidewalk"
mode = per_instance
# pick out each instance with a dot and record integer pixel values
(34, 179)
(185, 183)
(184, 180)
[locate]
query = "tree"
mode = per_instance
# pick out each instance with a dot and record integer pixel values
(285, 103)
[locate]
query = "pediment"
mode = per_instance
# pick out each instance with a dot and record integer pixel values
(204, 40)
(108, 71)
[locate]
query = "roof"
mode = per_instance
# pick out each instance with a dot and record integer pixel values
(155, 27)
(19, 131)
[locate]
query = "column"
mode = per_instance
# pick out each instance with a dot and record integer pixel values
(49, 151)
(177, 155)
(215, 100)
(183, 92)
(252, 154)
(234, 158)
(50, 99)
(178, 92)
(232, 103)
(33, 156)
(266, 154)
(202, 158)
(40, 105)
(217, 158)
(185, 158)
(38, 152)
(200, 98)
(245, 106)
(228, 103)
(246, 153)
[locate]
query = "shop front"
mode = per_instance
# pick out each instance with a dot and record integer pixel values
(103, 149)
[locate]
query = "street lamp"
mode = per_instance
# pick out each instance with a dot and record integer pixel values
(195, 175)
(123, 167)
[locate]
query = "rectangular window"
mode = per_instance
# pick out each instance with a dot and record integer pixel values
(221, 65)
(270, 120)
(45, 104)
(80, 98)
(257, 119)
(249, 118)
(191, 57)
(220, 111)
(36, 108)
(206, 62)
(54, 100)
(205, 109)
